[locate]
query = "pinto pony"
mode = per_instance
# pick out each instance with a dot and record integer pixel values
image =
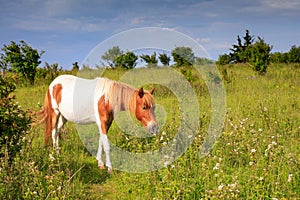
(85, 101)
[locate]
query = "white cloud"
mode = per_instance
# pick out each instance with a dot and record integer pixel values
(58, 7)
(272, 8)
(59, 25)
(203, 40)
(282, 4)
(137, 20)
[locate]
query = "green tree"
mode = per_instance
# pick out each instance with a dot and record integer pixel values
(75, 66)
(260, 56)
(240, 52)
(224, 59)
(21, 58)
(278, 57)
(126, 60)
(52, 71)
(248, 39)
(294, 54)
(111, 55)
(150, 60)
(236, 51)
(203, 61)
(183, 56)
(164, 59)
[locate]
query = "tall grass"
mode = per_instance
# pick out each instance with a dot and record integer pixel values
(257, 156)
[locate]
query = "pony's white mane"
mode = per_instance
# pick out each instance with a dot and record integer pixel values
(120, 96)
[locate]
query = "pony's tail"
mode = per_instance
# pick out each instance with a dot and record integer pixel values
(45, 116)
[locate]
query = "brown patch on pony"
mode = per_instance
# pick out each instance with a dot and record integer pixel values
(105, 113)
(57, 93)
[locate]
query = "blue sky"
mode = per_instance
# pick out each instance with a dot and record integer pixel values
(67, 30)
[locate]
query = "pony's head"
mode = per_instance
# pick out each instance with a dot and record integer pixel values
(143, 108)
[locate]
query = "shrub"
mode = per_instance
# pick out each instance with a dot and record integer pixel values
(224, 59)
(14, 122)
(260, 56)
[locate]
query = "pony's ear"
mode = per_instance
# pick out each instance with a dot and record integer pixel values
(152, 91)
(141, 92)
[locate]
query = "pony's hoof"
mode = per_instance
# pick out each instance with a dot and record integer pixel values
(109, 170)
(101, 167)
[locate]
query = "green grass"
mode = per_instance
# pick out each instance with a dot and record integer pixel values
(257, 156)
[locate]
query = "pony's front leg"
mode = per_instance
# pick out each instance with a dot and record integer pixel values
(105, 144)
(99, 154)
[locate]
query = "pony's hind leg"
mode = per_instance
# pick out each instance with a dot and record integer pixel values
(99, 153)
(60, 121)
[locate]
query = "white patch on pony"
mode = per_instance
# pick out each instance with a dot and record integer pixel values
(80, 97)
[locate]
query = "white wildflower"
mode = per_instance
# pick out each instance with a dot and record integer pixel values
(51, 157)
(220, 187)
(290, 177)
(233, 185)
(166, 164)
(217, 166)
(253, 150)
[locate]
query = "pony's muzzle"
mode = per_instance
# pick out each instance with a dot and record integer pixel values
(152, 127)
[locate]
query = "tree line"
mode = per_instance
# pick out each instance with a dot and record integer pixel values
(182, 56)
(22, 59)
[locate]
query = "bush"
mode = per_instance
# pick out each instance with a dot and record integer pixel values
(14, 122)
(224, 59)
(260, 56)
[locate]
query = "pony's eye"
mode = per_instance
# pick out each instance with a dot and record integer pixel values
(144, 107)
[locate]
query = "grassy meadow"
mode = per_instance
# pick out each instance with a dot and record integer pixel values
(257, 156)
